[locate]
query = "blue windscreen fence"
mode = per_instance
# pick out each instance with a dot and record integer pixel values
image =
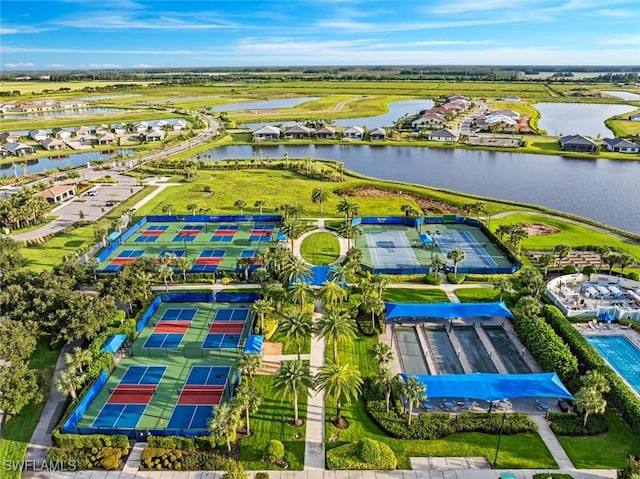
(384, 220)
(144, 319)
(113, 343)
(70, 425)
(222, 297)
(186, 297)
(213, 219)
(130, 232)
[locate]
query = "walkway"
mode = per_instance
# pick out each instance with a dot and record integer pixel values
(552, 443)
(314, 449)
(321, 228)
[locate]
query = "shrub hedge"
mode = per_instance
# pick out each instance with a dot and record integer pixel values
(88, 458)
(433, 278)
(456, 278)
(365, 454)
(571, 424)
(200, 443)
(158, 458)
(548, 349)
(627, 403)
(82, 441)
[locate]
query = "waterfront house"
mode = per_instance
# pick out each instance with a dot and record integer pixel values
(326, 133)
(9, 137)
(353, 133)
(635, 117)
(378, 134)
(51, 144)
(61, 133)
(38, 135)
(443, 134)
(141, 127)
(82, 131)
(107, 138)
(155, 135)
(578, 143)
(430, 120)
(102, 128)
(179, 124)
(266, 133)
(19, 149)
(620, 145)
(297, 132)
(119, 128)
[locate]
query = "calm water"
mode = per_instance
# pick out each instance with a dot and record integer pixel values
(264, 105)
(622, 354)
(51, 163)
(83, 111)
(625, 95)
(604, 190)
(578, 118)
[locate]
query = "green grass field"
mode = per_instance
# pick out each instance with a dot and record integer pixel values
(320, 249)
(412, 295)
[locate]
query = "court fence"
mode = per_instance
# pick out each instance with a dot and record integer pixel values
(70, 425)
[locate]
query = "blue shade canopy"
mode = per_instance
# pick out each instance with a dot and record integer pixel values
(490, 387)
(113, 343)
(446, 310)
(254, 344)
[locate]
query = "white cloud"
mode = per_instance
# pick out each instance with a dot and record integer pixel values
(19, 65)
(103, 65)
(56, 65)
(632, 40)
(91, 51)
(142, 65)
(107, 20)
(4, 30)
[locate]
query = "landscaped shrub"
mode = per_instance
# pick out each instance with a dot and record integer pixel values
(456, 278)
(620, 395)
(273, 452)
(552, 475)
(365, 454)
(88, 458)
(81, 441)
(261, 475)
(569, 269)
(433, 278)
(158, 458)
(548, 349)
(270, 327)
(631, 469)
(588, 269)
(633, 275)
(234, 470)
(564, 424)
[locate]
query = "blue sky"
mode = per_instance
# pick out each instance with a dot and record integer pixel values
(74, 34)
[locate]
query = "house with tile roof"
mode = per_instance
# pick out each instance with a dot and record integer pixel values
(58, 193)
(51, 144)
(297, 132)
(353, 133)
(620, 145)
(326, 133)
(19, 149)
(378, 134)
(578, 143)
(266, 133)
(443, 134)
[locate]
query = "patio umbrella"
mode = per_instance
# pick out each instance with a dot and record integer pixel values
(608, 317)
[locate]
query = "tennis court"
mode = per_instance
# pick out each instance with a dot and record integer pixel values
(163, 390)
(210, 247)
(475, 255)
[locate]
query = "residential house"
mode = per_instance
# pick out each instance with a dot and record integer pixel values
(52, 144)
(266, 133)
(107, 138)
(297, 132)
(497, 123)
(141, 127)
(353, 133)
(179, 124)
(508, 113)
(61, 133)
(155, 135)
(19, 149)
(9, 137)
(159, 125)
(430, 120)
(101, 129)
(635, 117)
(378, 134)
(326, 133)
(620, 145)
(82, 131)
(443, 134)
(119, 128)
(38, 135)
(578, 143)
(58, 193)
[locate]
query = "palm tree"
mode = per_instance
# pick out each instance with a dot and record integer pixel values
(380, 282)
(611, 259)
(340, 381)
(603, 252)
(295, 270)
(261, 308)
(595, 380)
(169, 209)
(436, 264)
(503, 284)
(319, 195)
(292, 380)
(249, 364)
(349, 231)
(69, 382)
(589, 401)
(545, 261)
(529, 281)
(457, 256)
(503, 230)
(414, 391)
(166, 272)
(516, 235)
(332, 293)
(293, 228)
(382, 354)
(562, 251)
(77, 359)
(245, 263)
(528, 306)
(184, 265)
(193, 207)
(625, 260)
(274, 292)
(375, 306)
(224, 423)
(248, 399)
(300, 292)
(101, 233)
(260, 204)
(338, 273)
(337, 328)
(297, 327)
(348, 208)
(386, 381)
(240, 204)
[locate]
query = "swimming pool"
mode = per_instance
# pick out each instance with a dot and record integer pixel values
(622, 355)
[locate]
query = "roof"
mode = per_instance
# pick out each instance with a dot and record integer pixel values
(490, 387)
(576, 140)
(298, 129)
(16, 146)
(354, 129)
(446, 310)
(620, 143)
(49, 141)
(326, 129)
(267, 130)
(443, 132)
(378, 131)
(56, 191)
(106, 136)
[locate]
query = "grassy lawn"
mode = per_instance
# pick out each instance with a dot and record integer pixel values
(521, 451)
(18, 430)
(266, 424)
(587, 452)
(290, 348)
(477, 295)
(411, 295)
(320, 248)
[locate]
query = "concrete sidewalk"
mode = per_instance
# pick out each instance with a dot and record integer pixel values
(314, 448)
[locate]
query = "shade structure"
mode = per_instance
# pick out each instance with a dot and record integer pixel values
(113, 343)
(608, 317)
(491, 387)
(254, 344)
(446, 310)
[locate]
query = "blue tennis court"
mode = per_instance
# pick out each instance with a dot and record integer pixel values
(179, 314)
(111, 268)
(233, 314)
(221, 239)
(157, 228)
(474, 253)
(146, 239)
(143, 375)
(208, 376)
(204, 268)
(130, 253)
(190, 417)
(212, 253)
(163, 340)
(221, 341)
(119, 416)
(249, 253)
(228, 228)
(178, 253)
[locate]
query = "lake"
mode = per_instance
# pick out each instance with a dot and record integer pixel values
(603, 190)
(578, 118)
(264, 104)
(51, 163)
(625, 95)
(40, 114)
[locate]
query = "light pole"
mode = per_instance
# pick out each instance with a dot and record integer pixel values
(205, 211)
(495, 459)
(184, 242)
(433, 241)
